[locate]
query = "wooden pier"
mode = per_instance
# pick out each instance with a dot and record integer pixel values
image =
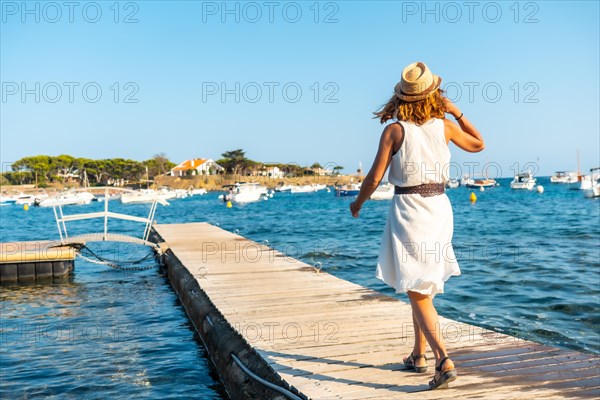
(322, 337)
(22, 262)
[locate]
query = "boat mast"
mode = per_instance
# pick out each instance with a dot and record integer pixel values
(578, 170)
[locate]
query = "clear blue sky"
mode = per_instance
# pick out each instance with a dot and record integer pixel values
(179, 56)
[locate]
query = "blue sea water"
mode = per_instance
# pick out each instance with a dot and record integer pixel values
(530, 267)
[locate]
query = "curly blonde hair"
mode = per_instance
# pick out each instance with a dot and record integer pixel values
(417, 112)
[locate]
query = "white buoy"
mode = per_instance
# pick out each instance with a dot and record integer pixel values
(540, 189)
(481, 189)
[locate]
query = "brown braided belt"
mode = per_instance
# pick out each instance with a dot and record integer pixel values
(425, 190)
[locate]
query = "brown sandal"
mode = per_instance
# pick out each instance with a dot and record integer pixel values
(409, 363)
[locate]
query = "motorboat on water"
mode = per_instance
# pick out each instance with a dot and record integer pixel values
(66, 199)
(307, 188)
(245, 192)
(585, 183)
(351, 189)
(594, 190)
(523, 181)
(452, 183)
(465, 180)
(385, 191)
(30, 199)
(284, 188)
(6, 200)
(303, 189)
(564, 177)
(478, 183)
(200, 191)
(181, 193)
(147, 196)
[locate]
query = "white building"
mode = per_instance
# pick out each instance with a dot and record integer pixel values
(321, 171)
(273, 171)
(197, 166)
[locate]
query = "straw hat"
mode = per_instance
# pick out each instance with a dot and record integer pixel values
(417, 83)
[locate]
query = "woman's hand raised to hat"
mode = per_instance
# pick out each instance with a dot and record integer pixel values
(451, 108)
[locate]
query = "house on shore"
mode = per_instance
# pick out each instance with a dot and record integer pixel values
(319, 171)
(197, 166)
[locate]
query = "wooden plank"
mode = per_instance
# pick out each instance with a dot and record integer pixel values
(359, 354)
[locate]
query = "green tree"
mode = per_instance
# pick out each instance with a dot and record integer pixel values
(234, 161)
(62, 166)
(38, 165)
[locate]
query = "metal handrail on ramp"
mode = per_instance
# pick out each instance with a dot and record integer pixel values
(62, 219)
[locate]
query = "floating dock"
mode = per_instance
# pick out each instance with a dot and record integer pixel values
(22, 262)
(276, 328)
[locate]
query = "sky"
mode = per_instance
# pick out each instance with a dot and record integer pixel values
(295, 82)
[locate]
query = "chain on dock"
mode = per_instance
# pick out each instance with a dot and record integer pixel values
(130, 265)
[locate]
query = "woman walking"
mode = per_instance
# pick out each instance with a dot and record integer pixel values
(416, 255)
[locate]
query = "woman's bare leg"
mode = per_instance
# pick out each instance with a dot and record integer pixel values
(428, 321)
(420, 343)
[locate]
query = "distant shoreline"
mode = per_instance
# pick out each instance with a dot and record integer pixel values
(212, 183)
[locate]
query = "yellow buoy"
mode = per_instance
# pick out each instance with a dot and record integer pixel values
(229, 205)
(25, 207)
(473, 198)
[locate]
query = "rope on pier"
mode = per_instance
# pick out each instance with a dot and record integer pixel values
(268, 384)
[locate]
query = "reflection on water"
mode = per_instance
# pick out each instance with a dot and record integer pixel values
(101, 333)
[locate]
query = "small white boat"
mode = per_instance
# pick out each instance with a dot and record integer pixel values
(478, 183)
(30, 199)
(201, 191)
(243, 192)
(302, 189)
(585, 183)
(465, 180)
(524, 181)
(385, 191)
(284, 188)
(594, 190)
(112, 195)
(452, 183)
(181, 193)
(66, 199)
(307, 188)
(5, 199)
(564, 177)
(351, 189)
(147, 196)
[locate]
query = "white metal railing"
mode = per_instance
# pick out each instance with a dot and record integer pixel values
(62, 219)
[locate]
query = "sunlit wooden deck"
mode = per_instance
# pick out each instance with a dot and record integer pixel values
(328, 338)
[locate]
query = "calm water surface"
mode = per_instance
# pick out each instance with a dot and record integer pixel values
(530, 264)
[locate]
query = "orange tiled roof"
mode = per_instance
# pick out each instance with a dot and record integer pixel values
(190, 164)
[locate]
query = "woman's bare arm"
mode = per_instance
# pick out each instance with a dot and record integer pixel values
(464, 135)
(391, 134)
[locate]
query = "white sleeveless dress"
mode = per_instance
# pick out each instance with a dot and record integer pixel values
(416, 250)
